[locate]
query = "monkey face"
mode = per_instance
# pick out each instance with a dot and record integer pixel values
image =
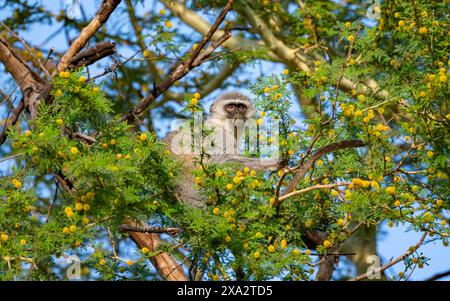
(235, 110)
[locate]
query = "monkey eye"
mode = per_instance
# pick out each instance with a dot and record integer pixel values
(230, 107)
(242, 107)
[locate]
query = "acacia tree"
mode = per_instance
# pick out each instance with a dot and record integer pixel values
(87, 174)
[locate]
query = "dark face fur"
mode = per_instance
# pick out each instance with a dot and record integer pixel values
(235, 110)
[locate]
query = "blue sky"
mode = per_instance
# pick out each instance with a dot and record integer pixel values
(394, 242)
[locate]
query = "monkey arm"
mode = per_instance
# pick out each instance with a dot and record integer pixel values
(254, 163)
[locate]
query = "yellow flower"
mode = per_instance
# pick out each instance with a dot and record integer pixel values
(59, 121)
(340, 222)
(351, 38)
(439, 203)
(307, 252)
(259, 235)
(387, 159)
(361, 97)
(112, 142)
(195, 46)
(193, 101)
(237, 180)
(79, 206)
(256, 255)
(229, 186)
(130, 262)
(291, 152)
(430, 154)
(397, 15)
(4, 237)
(319, 162)
(73, 228)
(17, 184)
(296, 252)
(143, 137)
(216, 211)
(86, 207)
(64, 74)
(397, 203)
(82, 79)
(74, 150)
(390, 190)
(423, 30)
(144, 250)
(326, 243)
(27, 134)
(259, 121)
(58, 93)
(334, 193)
(271, 248)
(348, 24)
(168, 24)
(253, 173)
(283, 244)
(274, 87)
(197, 95)
(285, 71)
(227, 238)
(277, 96)
(216, 277)
(348, 194)
(401, 23)
(266, 89)
(22, 242)
(102, 262)
(162, 11)
(69, 212)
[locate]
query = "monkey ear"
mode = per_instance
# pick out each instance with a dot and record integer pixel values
(211, 108)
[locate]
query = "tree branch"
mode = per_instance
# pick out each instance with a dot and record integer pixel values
(103, 13)
(190, 18)
(438, 276)
(302, 169)
(183, 67)
(92, 54)
(393, 262)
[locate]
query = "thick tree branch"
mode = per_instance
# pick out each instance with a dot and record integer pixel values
(29, 82)
(92, 54)
(105, 10)
(163, 262)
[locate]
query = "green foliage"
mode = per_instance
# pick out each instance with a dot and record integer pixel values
(80, 172)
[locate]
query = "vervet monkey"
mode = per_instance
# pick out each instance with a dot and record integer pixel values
(228, 119)
(229, 116)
